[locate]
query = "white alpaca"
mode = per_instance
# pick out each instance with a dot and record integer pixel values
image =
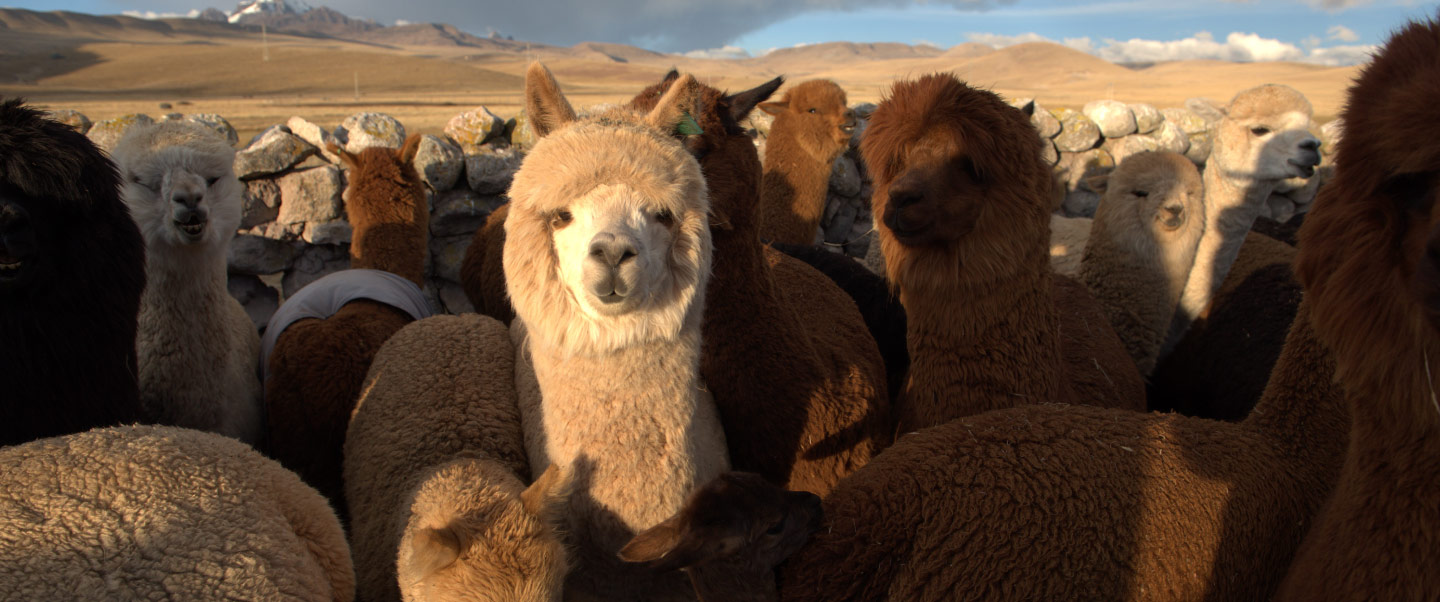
(607, 253)
(1263, 140)
(197, 348)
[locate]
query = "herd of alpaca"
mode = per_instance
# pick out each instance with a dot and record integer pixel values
(658, 404)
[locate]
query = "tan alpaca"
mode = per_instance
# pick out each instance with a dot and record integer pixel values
(198, 350)
(1263, 140)
(607, 253)
(1142, 246)
(812, 128)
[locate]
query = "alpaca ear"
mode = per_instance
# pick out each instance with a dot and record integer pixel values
(1029, 108)
(544, 104)
(432, 550)
(775, 107)
(663, 547)
(547, 498)
(741, 103)
(345, 156)
(673, 75)
(410, 148)
(675, 108)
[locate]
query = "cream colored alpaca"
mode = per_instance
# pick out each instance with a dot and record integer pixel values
(197, 348)
(607, 253)
(1263, 140)
(1142, 246)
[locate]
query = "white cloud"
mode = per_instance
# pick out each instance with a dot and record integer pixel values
(1082, 44)
(1335, 6)
(724, 52)
(1341, 33)
(1237, 47)
(401, 22)
(1341, 56)
(1001, 41)
(152, 15)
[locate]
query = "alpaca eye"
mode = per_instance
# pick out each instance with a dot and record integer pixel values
(1259, 130)
(1140, 193)
(211, 181)
(776, 528)
(561, 219)
(665, 217)
(812, 110)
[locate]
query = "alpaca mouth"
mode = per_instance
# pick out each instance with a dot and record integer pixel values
(11, 267)
(1305, 167)
(193, 226)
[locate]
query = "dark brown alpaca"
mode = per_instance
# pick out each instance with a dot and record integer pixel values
(72, 269)
(314, 374)
(812, 128)
(1370, 262)
(962, 197)
(796, 375)
(482, 275)
(730, 536)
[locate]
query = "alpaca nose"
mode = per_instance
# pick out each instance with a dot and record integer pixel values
(1310, 144)
(611, 250)
(1174, 209)
(901, 198)
(187, 198)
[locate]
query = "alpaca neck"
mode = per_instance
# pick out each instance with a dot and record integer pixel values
(1231, 207)
(733, 581)
(396, 247)
(1136, 293)
(1302, 410)
(178, 278)
(979, 347)
(793, 190)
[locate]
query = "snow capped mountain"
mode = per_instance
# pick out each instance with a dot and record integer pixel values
(268, 7)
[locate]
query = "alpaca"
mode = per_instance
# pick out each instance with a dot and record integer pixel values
(72, 268)
(319, 344)
(482, 272)
(812, 128)
(198, 349)
(1142, 245)
(1263, 139)
(963, 201)
(803, 400)
(1066, 502)
(1370, 261)
(730, 536)
(435, 470)
(607, 254)
(163, 513)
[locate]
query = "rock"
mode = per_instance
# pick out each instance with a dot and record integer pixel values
(334, 232)
(364, 130)
(1189, 122)
(1048, 152)
(863, 110)
(474, 128)
(106, 134)
(260, 301)
(446, 255)
(274, 151)
(461, 212)
(317, 136)
(312, 195)
(1121, 148)
(311, 264)
(1112, 116)
(1171, 138)
(842, 220)
(1200, 145)
(759, 122)
(439, 162)
(1073, 169)
(453, 297)
(1077, 132)
(259, 255)
(217, 124)
(1209, 110)
(844, 177)
(489, 170)
(72, 118)
(1147, 117)
(522, 136)
(1080, 203)
(260, 204)
(1045, 122)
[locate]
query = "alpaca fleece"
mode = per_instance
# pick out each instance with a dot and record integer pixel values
(149, 513)
(68, 320)
(812, 128)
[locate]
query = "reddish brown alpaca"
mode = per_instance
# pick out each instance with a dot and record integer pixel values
(962, 197)
(1370, 262)
(318, 365)
(482, 274)
(803, 398)
(812, 128)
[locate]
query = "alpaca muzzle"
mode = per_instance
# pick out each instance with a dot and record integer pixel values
(611, 268)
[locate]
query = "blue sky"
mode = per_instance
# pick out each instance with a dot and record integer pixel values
(1320, 31)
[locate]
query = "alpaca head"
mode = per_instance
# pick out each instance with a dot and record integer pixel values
(1369, 255)
(1264, 136)
(56, 188)
(1153, 201)
(476, 533)
(180, 185)
(382, 184)
(736, 517)
(815, 113)
(961, 193)
(606, 242)
(727, 155)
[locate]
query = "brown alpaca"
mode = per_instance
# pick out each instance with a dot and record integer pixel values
(812, 128)
(326, 335)
(730, 536)
(962, 198)
(1370, 260)
(803, 399)
(482, 273)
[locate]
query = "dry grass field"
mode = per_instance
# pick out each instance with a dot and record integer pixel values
(110, 66)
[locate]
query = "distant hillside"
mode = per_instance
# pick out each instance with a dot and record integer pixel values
(849, 51)
(322, 21)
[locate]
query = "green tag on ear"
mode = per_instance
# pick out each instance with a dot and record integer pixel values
(688, 126)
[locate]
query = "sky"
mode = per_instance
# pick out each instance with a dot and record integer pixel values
(1328, 32)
